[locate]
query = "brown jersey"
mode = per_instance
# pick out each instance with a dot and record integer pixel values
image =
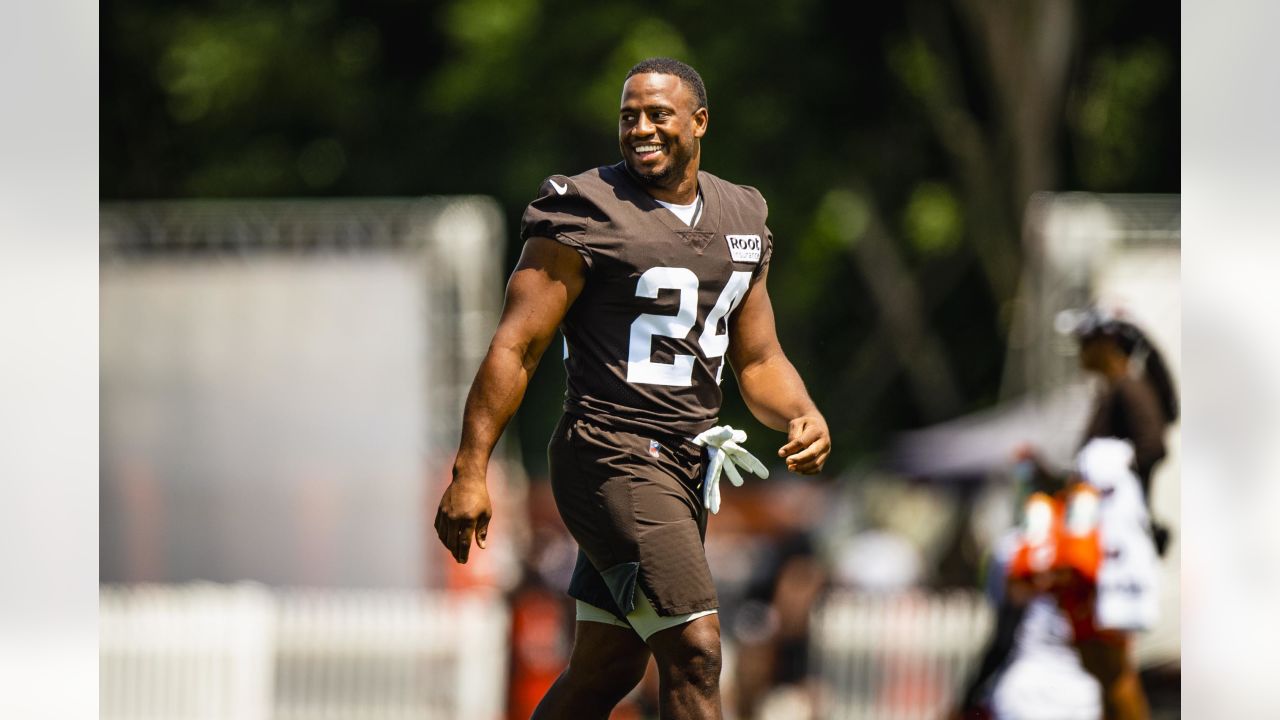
(648, 335)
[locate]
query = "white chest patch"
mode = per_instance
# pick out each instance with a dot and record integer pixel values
(744, 248)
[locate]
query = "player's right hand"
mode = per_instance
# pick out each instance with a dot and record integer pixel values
(464, 512)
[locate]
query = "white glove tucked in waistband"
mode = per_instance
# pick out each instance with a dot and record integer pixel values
(724, 442)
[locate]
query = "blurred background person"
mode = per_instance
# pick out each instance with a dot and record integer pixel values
(1134, 407)
(771, 619)
(1030, 669)
(1081, 578)
(1122, 597)
(1138, 400)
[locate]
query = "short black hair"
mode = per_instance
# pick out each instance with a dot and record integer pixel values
(670, 66)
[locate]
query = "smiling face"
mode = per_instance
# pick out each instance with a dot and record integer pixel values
(659, 127)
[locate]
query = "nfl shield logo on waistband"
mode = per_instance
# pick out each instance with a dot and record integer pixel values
(654, 448)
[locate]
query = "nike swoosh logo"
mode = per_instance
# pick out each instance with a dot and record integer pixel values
(560, 189)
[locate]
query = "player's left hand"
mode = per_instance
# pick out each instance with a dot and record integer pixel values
(809, 443)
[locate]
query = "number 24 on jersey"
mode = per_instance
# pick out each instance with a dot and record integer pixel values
(640, 366)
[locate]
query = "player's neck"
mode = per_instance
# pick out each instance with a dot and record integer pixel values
(684, 192)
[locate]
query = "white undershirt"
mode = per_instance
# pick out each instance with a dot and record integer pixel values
(687, 213)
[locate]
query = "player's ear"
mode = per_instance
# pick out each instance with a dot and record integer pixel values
(700, 119)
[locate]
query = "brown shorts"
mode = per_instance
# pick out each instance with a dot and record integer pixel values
(637, 514)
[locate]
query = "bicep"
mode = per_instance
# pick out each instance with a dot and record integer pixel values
(545, 283)
(752, 334)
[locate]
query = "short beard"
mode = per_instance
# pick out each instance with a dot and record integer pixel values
(653, 178)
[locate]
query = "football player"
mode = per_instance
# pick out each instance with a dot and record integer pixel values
(655, 272)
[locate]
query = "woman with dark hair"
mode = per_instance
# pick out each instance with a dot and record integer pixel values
(1137, 405)
(1139, 401)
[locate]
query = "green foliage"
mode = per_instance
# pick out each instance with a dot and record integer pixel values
(322, 162)
(841, 218)
(917, 68)
(1114, 116)
(643, 38)
(483, 26)
(933, 220)
(488, 36)
(216, 65)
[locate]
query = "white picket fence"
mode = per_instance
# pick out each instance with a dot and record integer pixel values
(895, 657)
(212, 652)
(244, 652)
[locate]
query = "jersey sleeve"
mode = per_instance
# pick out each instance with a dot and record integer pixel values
(561, 213)
(766, 250)
(766, 254)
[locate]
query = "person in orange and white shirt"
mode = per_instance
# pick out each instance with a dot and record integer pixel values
(1080, 576)
(1036, 670)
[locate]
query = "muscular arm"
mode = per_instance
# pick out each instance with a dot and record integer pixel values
(771, 386)
(544, 284)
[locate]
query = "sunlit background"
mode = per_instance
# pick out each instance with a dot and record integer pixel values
(310, 209)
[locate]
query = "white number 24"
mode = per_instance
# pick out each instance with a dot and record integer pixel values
(640, 366)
